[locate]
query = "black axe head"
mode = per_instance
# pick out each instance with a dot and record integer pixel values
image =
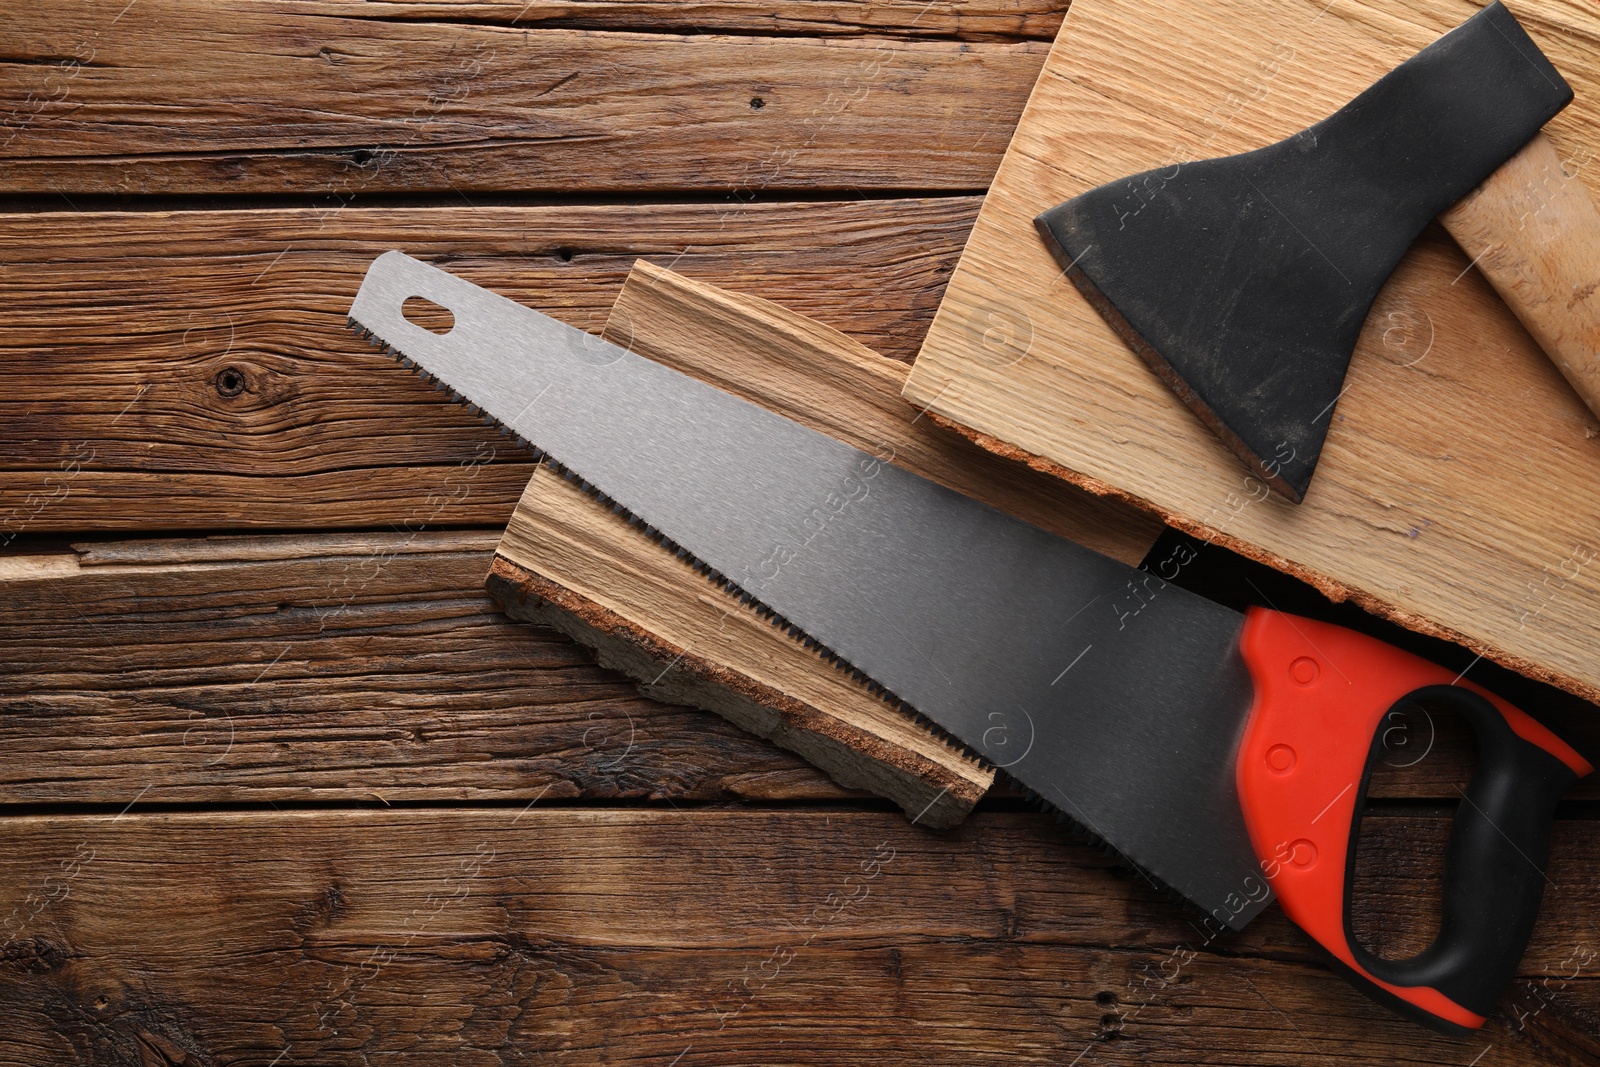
(1244, 281)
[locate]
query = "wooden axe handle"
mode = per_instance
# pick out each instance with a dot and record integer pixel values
(1535, 234)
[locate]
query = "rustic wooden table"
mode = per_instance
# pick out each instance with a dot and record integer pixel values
(281, 786)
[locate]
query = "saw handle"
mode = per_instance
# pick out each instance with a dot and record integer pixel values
(1323, 694)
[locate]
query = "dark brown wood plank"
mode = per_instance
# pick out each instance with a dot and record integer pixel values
(413, 497)
(201, 96)
(523, 935)
(360, 669)
(118, 333)
(369, 667)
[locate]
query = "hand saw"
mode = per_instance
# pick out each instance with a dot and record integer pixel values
(1224, 755)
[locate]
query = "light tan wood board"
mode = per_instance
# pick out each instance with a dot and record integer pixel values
(568, 562)
(1459, 491)
(1533, 231)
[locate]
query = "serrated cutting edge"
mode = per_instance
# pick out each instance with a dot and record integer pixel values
(958, 614)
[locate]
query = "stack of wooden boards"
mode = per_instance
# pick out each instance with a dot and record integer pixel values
(567, 561)
(1459, 490)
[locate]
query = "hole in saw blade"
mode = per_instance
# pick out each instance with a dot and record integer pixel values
(435, 318)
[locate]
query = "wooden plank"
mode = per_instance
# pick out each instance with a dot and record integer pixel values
(817, 376)
(331, 99)
(402, 497)
(1459, 490)
(359, 669)
(131, 662)
(120, 327)
(485, 938)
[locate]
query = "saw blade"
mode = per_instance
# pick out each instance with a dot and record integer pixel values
(1115, 698)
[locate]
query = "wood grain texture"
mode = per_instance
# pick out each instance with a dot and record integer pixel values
(349, 668)
(115, 416)
(522, 935)
(1533, 231)
(346, 100)
(1459, 490)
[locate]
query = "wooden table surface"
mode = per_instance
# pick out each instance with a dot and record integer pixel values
(280, 785)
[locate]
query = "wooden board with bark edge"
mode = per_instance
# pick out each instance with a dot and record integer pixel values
(568, 562)
(1459, 490)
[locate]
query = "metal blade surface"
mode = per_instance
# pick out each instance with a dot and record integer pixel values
(1115, 698)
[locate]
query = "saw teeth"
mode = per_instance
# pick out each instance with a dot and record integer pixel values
(1117, 856)
(440, 385)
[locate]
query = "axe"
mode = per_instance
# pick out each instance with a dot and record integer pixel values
(1244, 281)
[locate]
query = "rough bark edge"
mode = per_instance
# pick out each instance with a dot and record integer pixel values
(1336, 591)
(929, 794)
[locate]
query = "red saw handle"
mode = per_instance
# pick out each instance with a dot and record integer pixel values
(1321, 694)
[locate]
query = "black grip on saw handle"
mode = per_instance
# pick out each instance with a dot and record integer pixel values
(1321, 694)
(1494, 875)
